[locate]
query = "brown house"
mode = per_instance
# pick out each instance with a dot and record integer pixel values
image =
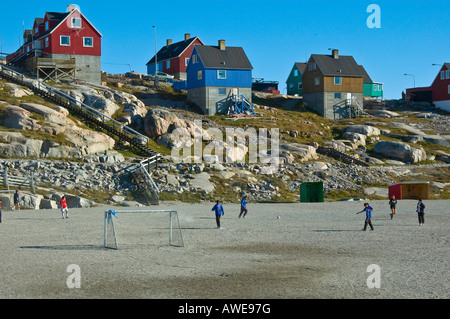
(333, 86)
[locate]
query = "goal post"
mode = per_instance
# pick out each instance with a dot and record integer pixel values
(174, 229)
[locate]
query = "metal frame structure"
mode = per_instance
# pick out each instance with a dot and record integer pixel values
(173, 216)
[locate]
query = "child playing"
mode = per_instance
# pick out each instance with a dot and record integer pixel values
(368, 220)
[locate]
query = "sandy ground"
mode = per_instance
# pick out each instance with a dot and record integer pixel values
(312, 251)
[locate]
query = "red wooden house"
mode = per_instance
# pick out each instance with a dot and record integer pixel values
(438, 93)
(61, 45)
(174, 58)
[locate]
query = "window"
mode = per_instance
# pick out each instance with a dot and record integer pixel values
(168, 64)
(221, 74)
(295, 72)
(337, 96)
(222, 91)
(449, 89)
(442, 75)
(65, 40)
(312, 66)
(194, 58)
(317, 81)
(291, 87)
(300, 86)
(36, 30)
(447, 76)
(199, 75)
(46, 26)
(337, 80)
(88, 42)
(186, 61)
(76, 23)
(46, 42)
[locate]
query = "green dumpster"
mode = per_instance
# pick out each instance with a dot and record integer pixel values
(311, 192)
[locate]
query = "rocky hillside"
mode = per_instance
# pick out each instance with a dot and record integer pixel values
(64, 155)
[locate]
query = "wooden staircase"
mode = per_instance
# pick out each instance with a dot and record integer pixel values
(92, 116)
(344, 154)
(142, 174)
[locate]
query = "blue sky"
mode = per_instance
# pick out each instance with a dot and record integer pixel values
(275, 34)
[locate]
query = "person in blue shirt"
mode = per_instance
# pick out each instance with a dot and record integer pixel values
(244, 209)
(368, 210)
(219, 211)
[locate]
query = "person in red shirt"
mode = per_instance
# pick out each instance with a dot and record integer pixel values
(64, 208)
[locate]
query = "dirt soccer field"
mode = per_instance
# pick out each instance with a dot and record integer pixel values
(310, 251)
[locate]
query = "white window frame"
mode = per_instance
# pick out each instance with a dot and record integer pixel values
(186, 61)
(84, 42)
(61, 40)
(340, 80)
(442, 75)
(223, 76)
(76, 25)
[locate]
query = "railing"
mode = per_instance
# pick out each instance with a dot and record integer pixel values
(17, 182)
(338, 146)
(41, 86)
(240, 104)
(145, 167)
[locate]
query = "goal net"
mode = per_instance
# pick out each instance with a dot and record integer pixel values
(142, 228)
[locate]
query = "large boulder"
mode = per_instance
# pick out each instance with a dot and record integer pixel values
(364, 130)
(159, 122)
(78, 141)
(400, 151)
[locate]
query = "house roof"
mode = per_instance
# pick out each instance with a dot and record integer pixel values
(345, 65)
(367, 78)
(301, 66)
(58, 16)
(174, 50)
(230, 58)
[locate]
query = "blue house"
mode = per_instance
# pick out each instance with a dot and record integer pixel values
(218, 78)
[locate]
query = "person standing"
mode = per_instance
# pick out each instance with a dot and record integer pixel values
(244, 209)
(393, 206)
(16, 201)
(369, 211)
(421, 212)
(64, 208)
(219, 212)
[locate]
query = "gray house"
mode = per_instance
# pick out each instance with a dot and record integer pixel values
(333, 86)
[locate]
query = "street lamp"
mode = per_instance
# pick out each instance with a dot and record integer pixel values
(413, 77)
(156, 80)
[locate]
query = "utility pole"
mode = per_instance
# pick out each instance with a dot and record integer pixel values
(156, 80)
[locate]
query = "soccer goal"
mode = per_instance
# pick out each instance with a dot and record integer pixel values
(137, 227)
